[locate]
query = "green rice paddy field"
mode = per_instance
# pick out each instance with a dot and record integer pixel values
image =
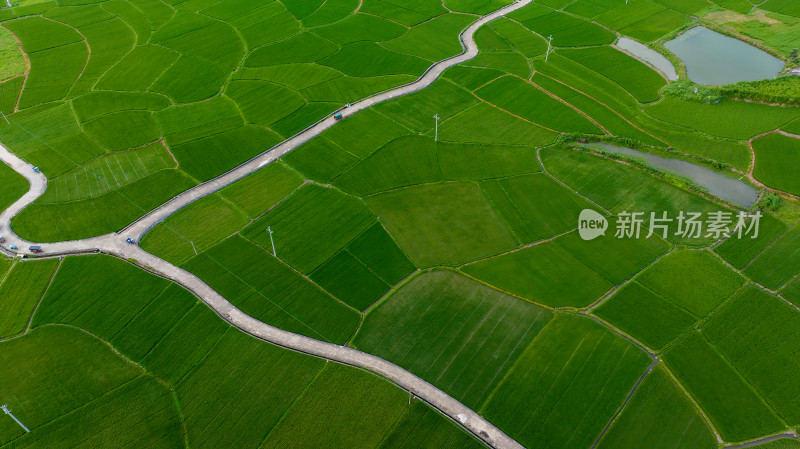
(448, 248)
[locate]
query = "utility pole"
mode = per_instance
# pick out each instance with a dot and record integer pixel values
(269, 229)
(549, 43)
(8, 412)
(436, 134)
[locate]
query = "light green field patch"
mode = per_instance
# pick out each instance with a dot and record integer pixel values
(694, 280)
(545, 273)
(485, 124)
(12, 62)
(453, 332)
(262, 102)
(779, 263)
(107, 173)
(261, 190)
(363, 59)
(435, 39)
(294, 76)
(448, 223)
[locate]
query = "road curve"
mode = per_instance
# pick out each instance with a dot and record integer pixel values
(114, 244)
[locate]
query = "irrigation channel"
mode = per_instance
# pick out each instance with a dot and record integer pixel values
(115, 244)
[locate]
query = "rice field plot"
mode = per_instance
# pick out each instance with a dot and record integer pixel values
(433, 40)
(20, 292)
(330, 12)
(475, 6)
(509, 62)
(723, 119)
(321, 160)
(607, 118)
(263, 287)
(659, 416)
(535, 206)
(471, 78)
(123, 130)
(260, 191)
(566, 385)
(652, 28)
(13, 61)
(756, 332)
(738, 252)
(274, 29)
(299, 120)
(569, 31)
(453, 332)
(12, 186)
(362, 134)
(485, 124)
(443, 224)
(488, 40)
(119, 292)
(779, 263)
(347, 89)
(254, 396)
(526, 101)
(306, 47)
(361, 27)
(365, 59)
(262, 102)
(705, 281)
(416, 110)
(684, 6)
(398, 13)
(184, 31)
(131, 15)
(140, 412)
(365, 269)
(731, 404)
(645, 316)
(615, 259)
(620, 15)
(635, 77)
(194, 228)
(545, 274)
(208, 79)
(96, 216)
(212, 156)
(97, 104)
(311, 225)
(53, 72)
(374, 409)
(775, 154)
(194, 121)
(425, 427)
(38, 33)
(732, 152)
(62, 377)
(138, 69)
(412, 160)
(294, 75)
(792, 292)
(9, 93)
(519, 37)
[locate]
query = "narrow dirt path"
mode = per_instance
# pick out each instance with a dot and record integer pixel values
(114, 244)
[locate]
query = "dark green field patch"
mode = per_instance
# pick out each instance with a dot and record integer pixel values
(731, 404)
(361, 27)
(453, 332)
(260, 191)
(311, 225)
(262, 102)
(435, 39)
(20, 292)
(566, 385)
(775, 155)
(739, 251)
(645, 316)
(365, 59)
(779, 263)
(522, 99)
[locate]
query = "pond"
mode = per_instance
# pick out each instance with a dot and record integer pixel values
(718, 184)
(715, 59)
(649, 56)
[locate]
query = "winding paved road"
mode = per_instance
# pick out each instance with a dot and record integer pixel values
(114, 244)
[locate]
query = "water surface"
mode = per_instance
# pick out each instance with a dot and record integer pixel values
(648, 55)
(718, 184)
(716, 59)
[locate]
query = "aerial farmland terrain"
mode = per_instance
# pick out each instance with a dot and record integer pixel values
(400, 224)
